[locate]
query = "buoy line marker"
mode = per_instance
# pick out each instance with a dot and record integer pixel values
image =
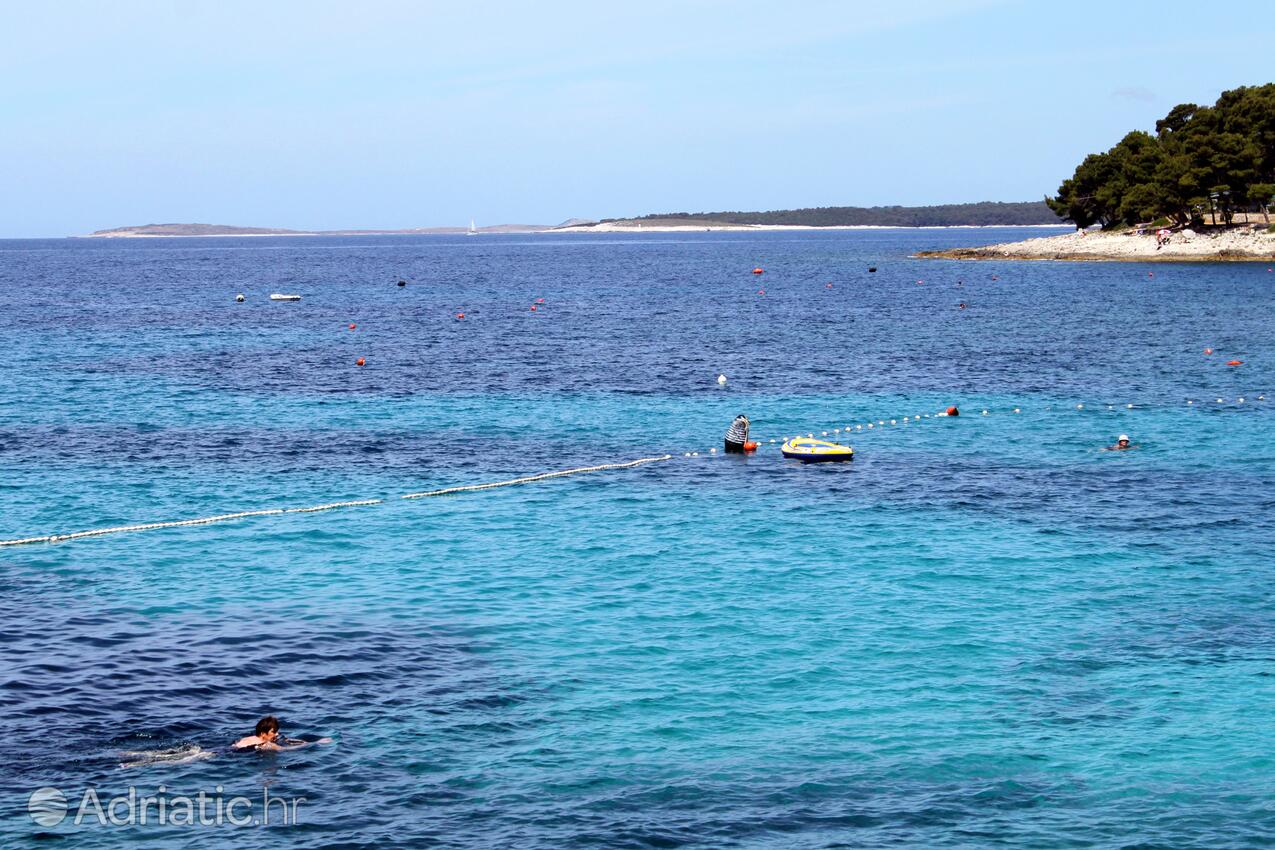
(310, 509)
(860, 427)
(447, 491)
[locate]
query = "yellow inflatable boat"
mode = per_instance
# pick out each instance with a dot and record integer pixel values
(810, 450)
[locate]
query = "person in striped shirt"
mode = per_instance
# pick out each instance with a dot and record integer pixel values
(737, 436)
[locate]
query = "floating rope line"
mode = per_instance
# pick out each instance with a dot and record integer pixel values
(448, 491)
(860, 429)
(209, 520)
(878, 425)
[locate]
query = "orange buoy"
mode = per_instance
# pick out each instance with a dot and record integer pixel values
(761, 292)
(919, 282)
(952, 411)
(540, 301)
(758, 270)
(460, 315)
(358, 362)
(353, 326)
(533, 308)
(1208, 351)
(827, 286)
(1235, 363)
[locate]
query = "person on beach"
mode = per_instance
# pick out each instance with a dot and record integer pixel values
(267, 738)
(1121, 444)
(737, 437)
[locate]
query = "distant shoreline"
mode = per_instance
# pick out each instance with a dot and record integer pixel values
(597, 228)
(744, 228)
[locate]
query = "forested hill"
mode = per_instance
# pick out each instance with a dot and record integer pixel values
(945, 215)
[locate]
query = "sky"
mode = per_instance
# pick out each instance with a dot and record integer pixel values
(327, 115)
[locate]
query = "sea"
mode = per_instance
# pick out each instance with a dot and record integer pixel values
(984, 631)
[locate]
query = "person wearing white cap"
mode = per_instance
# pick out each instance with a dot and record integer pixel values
(1122, 443)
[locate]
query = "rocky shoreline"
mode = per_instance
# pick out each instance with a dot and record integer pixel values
(1243, 244)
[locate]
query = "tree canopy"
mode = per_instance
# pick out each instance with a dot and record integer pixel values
(1201, 158)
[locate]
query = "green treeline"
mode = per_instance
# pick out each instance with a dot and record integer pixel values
(1216, 159)
(947, 215)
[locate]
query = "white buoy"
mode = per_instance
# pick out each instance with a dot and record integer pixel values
(838, 430)
(1261, 398)
(694, 454)
(239, 298)
(825, 433)
(858, 427)
(1219, 401)
(812, 436)
(712, 451)
(721, 380)
(1129, 407)
(772, 441)
(1080, 407)
(1240, 399)
(984, 412)
(1188, 401)
(688, 454)
(1109, 407)
(893, 422)
(880, 421)
(869, 424)
(1016, 410)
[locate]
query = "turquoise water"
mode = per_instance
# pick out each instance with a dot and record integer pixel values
(984, 631)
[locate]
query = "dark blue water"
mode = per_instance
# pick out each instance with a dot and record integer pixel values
(985, 631)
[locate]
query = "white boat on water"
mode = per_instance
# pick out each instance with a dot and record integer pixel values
(473, 231)
(276, 296)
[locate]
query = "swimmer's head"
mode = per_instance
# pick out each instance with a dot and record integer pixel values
(1122, 439)
(268, 728)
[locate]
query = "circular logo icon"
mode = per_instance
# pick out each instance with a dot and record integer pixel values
(47, 806)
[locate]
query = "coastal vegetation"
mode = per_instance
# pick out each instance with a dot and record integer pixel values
(1216, 161)
(987, 213)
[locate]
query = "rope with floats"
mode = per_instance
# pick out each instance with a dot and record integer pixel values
(859, 429)
(330, 506)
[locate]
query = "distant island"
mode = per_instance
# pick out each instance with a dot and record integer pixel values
(170, 230)
(986, 214)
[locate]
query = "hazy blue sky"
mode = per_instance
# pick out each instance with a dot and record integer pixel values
(398, 114)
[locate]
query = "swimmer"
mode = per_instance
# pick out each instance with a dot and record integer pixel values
(1121, 444)
(267, 738)
(737, 437)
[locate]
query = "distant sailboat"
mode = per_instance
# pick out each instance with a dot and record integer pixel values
(473, 231)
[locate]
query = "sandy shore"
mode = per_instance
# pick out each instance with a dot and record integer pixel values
(1187, 246)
